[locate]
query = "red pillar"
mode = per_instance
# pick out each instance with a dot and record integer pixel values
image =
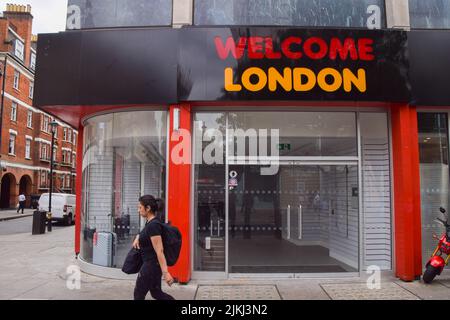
(78, 187)
(407, 218)
(180, 186)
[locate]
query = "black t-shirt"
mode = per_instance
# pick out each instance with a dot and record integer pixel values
(151, 229)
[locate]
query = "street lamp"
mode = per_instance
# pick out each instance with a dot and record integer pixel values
(53, 126)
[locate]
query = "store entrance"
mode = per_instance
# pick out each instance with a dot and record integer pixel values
(332, 171)
(302, 219)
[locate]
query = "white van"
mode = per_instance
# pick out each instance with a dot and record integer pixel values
(63, 207)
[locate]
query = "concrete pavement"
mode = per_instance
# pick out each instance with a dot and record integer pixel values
(12, 214)
(35, 267)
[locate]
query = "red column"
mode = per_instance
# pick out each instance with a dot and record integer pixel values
(78, 187)
(407, 232)
(180, 186)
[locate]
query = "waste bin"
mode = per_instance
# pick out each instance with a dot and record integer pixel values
(39, 222)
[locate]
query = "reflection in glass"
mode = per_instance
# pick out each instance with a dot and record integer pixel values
(323, 13)
(430, 14)
(434, 175)
(302, 220)
(376, 195)
(124, 157)
(301, 133)
(209, 196)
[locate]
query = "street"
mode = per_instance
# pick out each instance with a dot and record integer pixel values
(35, 267)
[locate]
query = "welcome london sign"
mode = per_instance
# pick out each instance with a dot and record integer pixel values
(293, 64)
(223, 64)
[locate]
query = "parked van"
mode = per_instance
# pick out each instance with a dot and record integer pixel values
(63, 207)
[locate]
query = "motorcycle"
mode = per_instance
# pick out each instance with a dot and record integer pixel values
(437, 263)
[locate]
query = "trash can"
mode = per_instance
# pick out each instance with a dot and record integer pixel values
(39, 222)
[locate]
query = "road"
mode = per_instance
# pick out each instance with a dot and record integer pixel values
(22, 225)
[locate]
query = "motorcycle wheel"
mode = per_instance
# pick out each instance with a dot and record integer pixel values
(430, 274)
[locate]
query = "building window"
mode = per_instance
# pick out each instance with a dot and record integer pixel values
(342, 13)
(430, 14)
(69, 135)
(33, 61)
(28, 149)
(44, 152)
(14, 111)
(12, 144)
(54, 153)
(73, 160)
(19, 49)
(31, 93)
(65, 134)
(45, 124)
(63, 181)
(43, 179)
(74, 138)
(128, 176)
(30, 119)
(434, 175)
(16, 80)
(108, 14)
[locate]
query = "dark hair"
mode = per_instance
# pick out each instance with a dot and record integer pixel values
(155, 205)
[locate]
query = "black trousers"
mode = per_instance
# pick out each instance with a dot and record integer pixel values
(149, 279)
(21, 206)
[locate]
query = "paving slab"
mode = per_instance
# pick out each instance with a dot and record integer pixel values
(360, 291)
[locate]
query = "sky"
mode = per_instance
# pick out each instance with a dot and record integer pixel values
(49, 15)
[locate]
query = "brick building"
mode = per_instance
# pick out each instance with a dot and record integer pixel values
(25, 130)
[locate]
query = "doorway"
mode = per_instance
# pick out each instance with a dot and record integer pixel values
(303, 219)
(8, 191)
(325, 210)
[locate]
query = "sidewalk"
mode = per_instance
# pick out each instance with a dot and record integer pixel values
(35, 267)
(12, 214)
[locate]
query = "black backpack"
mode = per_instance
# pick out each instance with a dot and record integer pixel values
(172, 241)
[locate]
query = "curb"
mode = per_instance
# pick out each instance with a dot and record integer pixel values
(16, 217)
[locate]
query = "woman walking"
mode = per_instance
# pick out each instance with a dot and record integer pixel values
(149, 241)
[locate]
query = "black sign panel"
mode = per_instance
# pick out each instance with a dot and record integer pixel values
(114, 67)
(219, 64)
(164, 66)
(429, 54)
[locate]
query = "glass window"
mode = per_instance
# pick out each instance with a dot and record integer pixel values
(28, 149)
(124, 157)
(209, 192)
(14, 111)
(434, 175)
(19, 49)
(33, 61)
(45, 124)
(305, 134)
(16, 80)
(43, 178)
(376, 191)
(30, 119)
(12, 144)
(323, 13)
(31, 93)
(82, 14)
(430, 14)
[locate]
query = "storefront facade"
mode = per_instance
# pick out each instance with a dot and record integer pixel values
(280, 152)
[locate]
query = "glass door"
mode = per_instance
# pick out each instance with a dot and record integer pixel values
(303, 219)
